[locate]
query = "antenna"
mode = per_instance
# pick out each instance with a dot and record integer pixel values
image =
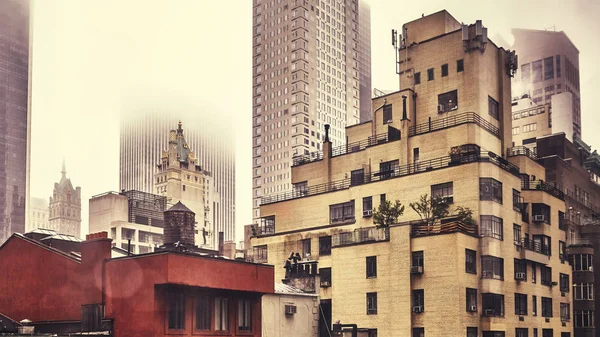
(394, 38)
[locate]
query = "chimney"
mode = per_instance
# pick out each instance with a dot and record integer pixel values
(221, 243)
(94, 251)
(326, 143)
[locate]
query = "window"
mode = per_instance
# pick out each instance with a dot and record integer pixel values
(520, 304)
(418, 296)
(382, 199)
(417, 259)
(492, 267)
(526, 73)
(367, 204)
(260, 254)
(535, 332)
(516, 130)
(517, 201)
(372, 333)
(546, 275)
(418, 332)
(448, 101)
(521, 332)
(561, 221)
(244, 315)
(549, 68)
(388, 169)
(325, 274)
(493, 304)
(306, 247)
(387, 114)
(470, 264)
(558, 66)
(493, 334)
(491, 226)
(357, 177)
(471, 300)
(176, 314)
(534, 305)
(583, 291)
(325, 245)
(460, 65)
(371, 303)
(520, 270)
(517, 234)
(444, 191)
(547, 333)
(582, 262)
(565, 312)
(564, 282)
(343, 212)
(537, 71)
(221, 314)
(584, 319)
(529, 127)
(533, 272)
(542, 244)
(417, 78)
(493, 107)
(371, 266)
(202, 313)
(546, 307)
(444, 70)
(490, 189)
(430, 74)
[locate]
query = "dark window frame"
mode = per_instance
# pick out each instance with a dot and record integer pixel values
(371, 266)
(471, 298)
(470, 261)
(493, 302)
(347, 212)
(445, 70)
(245, 324)
(325, 245)
(372, 303)
(546, 306)
(490, 189)
(430, 74)
(492, 267)
(493, 108)
(176, 305)
(418, 259)
(492, 226)
(520, 304)
(202, 313)
(417, 78)
(418, 298)
(387, 114)
(460, 65)
(444, 191)
(448, 100)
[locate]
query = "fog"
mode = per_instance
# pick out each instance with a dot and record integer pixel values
(93, 60)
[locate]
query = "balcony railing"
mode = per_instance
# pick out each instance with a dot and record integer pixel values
(543, 186)
(521, 151)
(443, 123)
(394, 172)
(360, 235)
(535, 246)
(307, 158)
(419, 228)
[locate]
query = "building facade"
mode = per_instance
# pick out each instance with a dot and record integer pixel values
(549, 65)
(15, 117)
(307, 66)
(38, 213)
(502, 271)
(65, 207)
(180, 179)
(133, 219)
(144, 135)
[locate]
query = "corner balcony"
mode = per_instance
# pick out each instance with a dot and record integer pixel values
(540, 185)
(535, 251)
(445, 226)
(395, 172)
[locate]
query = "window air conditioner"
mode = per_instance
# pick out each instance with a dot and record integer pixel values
(489, 312)
(539, 218)
(441, 108)
(418, 308)
(486, 274)
(367, 213)
(473, 308)
(519, 276)
(290, 309)
(416, 269)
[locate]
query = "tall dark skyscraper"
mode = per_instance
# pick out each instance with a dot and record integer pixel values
(14, 115)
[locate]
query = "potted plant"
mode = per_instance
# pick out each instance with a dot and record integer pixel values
(455, 155)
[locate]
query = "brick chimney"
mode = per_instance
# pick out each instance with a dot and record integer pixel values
(94, 251)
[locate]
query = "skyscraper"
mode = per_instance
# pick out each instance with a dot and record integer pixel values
(14, 115)
(548, 67)
(144, 135)
(309, 64)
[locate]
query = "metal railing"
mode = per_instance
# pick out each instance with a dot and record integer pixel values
(521, 151)
(443, 123)
(535, 246)
(307, 158)
(360, 235)
(397, 171)
(541, 185)
(420, 228)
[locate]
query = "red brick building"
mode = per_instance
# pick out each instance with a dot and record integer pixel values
(157, 294)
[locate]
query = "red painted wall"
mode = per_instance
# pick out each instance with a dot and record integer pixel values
(37, 283)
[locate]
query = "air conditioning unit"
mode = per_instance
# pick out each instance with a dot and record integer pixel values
(554, 283)
(418, 309)
(290, 309)
(325, 284)
(441, 109)
(473, 308)
(367, 213)
(519, 276)
(539, 218)
(487, 274)
(388, 121)
(489, 312)
(416, 269)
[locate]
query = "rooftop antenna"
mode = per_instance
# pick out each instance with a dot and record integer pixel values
(553, 28)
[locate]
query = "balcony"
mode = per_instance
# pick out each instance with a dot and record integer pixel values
(522, 151)
(398, 171)
(458, 119)
(360, 236)
(539, 185)
(535, 251)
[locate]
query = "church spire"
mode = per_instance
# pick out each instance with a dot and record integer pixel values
(64, 169)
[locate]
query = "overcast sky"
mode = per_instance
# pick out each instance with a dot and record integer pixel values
(91, 58)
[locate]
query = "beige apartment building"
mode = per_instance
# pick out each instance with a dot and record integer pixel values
(311, 66)
(447, 132)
